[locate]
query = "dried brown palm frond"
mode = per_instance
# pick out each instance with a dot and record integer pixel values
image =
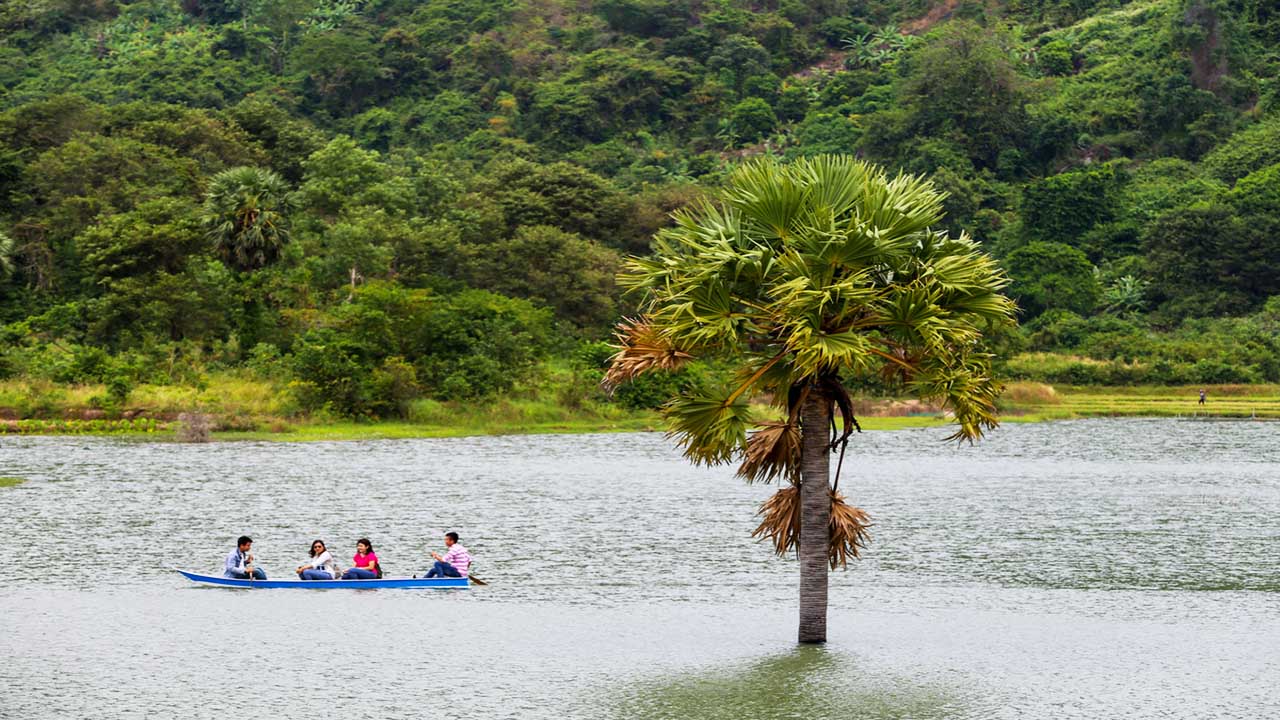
(780, 523)
(772, 451)
(849, 533)
(641, 348)
(780, 520)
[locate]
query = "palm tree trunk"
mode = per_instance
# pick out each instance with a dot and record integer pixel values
(815, 517)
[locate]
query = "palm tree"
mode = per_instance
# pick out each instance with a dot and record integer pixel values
(246, 214)
(807, 275)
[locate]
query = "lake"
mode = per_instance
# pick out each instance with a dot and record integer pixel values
(1082, 569)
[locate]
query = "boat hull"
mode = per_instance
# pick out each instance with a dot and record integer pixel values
(438, 582)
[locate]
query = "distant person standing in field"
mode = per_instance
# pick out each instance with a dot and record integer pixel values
(1201, 396)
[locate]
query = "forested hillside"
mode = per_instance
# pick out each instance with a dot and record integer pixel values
(365, 202)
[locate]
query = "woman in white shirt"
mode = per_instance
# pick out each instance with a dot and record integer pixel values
(321, 566)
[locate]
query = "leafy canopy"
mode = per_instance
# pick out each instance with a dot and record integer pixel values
(806, 273)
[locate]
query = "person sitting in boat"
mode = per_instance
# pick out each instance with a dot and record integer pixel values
(321, 565)
(239, 563)
(455, 562)
(364, 566)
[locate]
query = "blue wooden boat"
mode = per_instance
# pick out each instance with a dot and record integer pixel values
(437, 582)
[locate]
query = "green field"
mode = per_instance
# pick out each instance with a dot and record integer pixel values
(1033, 401)
(248, 412)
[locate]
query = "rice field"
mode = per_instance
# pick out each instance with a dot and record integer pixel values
(252, 410)
(1035, 401)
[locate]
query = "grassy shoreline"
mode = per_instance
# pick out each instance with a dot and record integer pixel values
(254, 414)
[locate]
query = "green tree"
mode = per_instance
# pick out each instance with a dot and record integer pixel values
(342, 176)
(1253, 148)
(158, 234)
(288, 141)
(739, 57)
(343, 68)
(960, 86)
(1126, 296)
(246, 215)
(808, 276)
(1209, 260)
(572, 275)
(559, 194)
(1062, 208)
(1055, 58)
(1049, 275)
(752, 119)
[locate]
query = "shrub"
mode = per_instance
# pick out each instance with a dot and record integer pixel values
(391, 387)
(330, 372)
(1055, 58)
(752, 119)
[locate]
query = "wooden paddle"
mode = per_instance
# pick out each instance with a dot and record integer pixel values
(476, 580)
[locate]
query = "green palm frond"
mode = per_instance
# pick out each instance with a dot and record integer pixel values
(710, 426)
(768, 198)
(965, 386)
(815, 270)
(815, 352)
(835, 181)
(899, 208)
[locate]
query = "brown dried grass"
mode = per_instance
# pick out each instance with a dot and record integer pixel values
(1031, 393)
(780, 524)
(194, 427)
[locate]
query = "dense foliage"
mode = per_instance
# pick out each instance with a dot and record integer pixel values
(375, 200)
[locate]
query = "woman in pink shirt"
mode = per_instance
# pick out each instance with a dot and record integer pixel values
(364, 566)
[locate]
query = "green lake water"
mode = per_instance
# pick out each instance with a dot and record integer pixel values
(1084, 569)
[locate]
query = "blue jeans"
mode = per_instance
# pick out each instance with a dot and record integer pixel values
(258, 574)
(314, 574)
(443, 569)
(359, 574)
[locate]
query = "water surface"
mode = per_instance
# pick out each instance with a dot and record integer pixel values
(1084, 569)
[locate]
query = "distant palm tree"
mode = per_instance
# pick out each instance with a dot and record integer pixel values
(246, 212)
(804, 276)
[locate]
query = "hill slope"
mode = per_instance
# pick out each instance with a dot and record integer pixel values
(449, 185)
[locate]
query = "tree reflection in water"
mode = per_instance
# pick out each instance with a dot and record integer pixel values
(813, 683)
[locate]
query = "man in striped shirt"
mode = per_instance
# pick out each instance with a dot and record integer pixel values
(454, 563)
